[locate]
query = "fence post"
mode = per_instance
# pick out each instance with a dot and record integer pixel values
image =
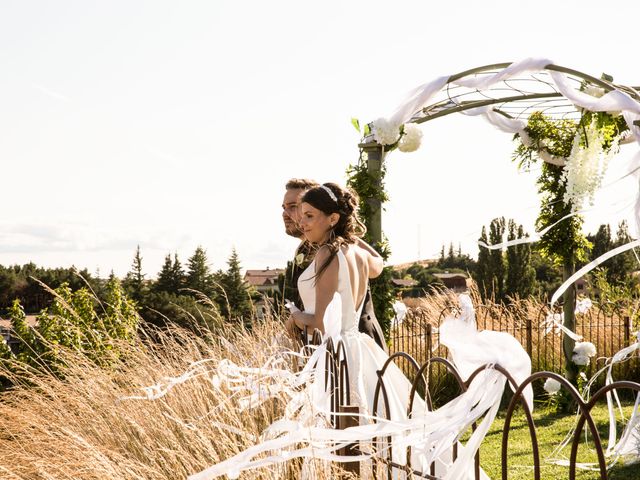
(627, 339)
(627, 330)
(429, 354)
(529, 337)
(351, 419)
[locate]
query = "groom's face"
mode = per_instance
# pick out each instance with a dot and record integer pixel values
(291, 211)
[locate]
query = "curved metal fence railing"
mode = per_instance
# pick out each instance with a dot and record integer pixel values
(337, 382)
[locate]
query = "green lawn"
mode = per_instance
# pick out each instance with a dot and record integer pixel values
(551, 429)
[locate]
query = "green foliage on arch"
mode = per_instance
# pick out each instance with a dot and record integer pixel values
(564, 242)
(371, 186)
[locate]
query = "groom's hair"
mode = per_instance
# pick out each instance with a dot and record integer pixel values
(300, 183)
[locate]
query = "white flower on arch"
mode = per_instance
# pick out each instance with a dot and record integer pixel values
(411, 140)
(385, 132)
(586, 165)
(594, 91)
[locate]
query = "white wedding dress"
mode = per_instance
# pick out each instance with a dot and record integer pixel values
(305, 430)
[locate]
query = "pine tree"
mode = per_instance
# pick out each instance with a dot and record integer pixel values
(171, 276)
(199, 276)
(520, 280)
(496, 267)
(622, 265)
(601, 241)
(178, 276)
(482, 267)
(451, 256)
(134, 280)
(165, 280)
(237, 291)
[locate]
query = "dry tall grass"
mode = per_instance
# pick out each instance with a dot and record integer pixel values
(426, 313)
(80, 427)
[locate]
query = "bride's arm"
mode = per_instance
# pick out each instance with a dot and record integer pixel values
(375, 261)
(326, 285)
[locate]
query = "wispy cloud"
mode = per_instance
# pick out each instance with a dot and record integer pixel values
(39, 238)
(49, 92)
(164, 156)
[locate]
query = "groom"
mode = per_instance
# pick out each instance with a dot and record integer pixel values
(294, 191)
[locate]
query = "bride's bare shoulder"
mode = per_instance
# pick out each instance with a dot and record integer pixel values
(323, 255)
(351, 251)
(357, 257)
(370, 260)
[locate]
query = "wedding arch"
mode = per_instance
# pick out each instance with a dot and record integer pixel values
(571, 122)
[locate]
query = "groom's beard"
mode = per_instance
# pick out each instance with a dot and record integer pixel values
(293, 229)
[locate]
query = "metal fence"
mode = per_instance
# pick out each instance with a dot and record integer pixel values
(609, 328)
(337, 383)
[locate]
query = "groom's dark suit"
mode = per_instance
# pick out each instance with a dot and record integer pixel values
(368, 323)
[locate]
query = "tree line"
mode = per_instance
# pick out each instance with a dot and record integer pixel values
(194, 294)
(81, 313)
(522, 269)
(188, 295)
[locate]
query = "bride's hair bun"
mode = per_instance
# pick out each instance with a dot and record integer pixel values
(346, 200)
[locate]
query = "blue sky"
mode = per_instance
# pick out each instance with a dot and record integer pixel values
(176, 124)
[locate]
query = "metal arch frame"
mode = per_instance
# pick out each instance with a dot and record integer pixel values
(376, 153)
(423, 115)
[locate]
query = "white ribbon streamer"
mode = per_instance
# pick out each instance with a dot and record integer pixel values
(417, 99)
(516, 68)
(554, 321)
(590, 266)
(614, 100)
(430, 434)
(615, 449)
(533, 238)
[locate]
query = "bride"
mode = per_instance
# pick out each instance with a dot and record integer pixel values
(332, 289)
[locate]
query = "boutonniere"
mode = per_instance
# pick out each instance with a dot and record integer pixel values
(299, 259)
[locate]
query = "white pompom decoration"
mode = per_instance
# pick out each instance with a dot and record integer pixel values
(385, 132)
(411, 139)
(552, 386)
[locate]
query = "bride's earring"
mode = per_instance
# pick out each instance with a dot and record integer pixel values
(332, 234)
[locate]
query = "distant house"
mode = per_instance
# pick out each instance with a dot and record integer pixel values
(6, 332)
(458, 282)
(404, 282)
(581, 285)
(264, 281)
(404, 286)
(427, 263)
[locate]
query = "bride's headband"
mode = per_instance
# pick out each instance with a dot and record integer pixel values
(330, 192)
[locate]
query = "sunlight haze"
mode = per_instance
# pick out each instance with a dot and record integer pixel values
(176, 124)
